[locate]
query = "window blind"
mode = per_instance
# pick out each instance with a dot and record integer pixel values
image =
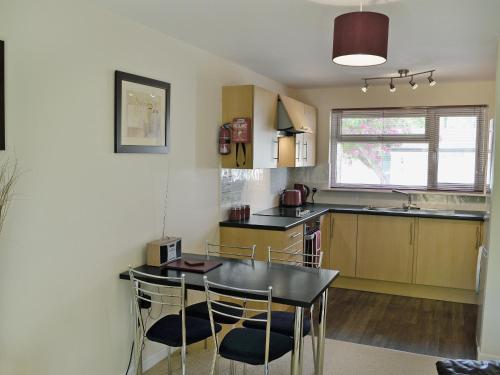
(426, 148)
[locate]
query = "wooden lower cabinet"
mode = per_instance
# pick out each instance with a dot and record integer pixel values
(420, 257)
(341, 235)
(447, 252)
(263, 238)
(385, 248)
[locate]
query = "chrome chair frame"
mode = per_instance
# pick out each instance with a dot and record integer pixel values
(247, 253)
(220, 252)
(214, 303)
(310, 260)
(304, 259)
(139, 292)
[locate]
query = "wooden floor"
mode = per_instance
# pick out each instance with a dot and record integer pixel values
(438, 328)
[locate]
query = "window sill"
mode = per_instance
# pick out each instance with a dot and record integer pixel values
(387, 191)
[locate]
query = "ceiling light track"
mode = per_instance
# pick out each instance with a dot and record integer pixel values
(402, 74)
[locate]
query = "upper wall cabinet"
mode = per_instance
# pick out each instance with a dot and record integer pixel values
(295, 116)
(297, 150)
(310, 117)
(260, 106)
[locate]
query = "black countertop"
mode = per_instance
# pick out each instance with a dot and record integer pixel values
(285, 223)
(292, 285)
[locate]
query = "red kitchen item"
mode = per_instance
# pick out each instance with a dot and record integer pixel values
(304, 191)
(291, 198)
(246, 211)
(236, 213)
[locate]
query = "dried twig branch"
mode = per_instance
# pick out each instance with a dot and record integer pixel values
(8, 178)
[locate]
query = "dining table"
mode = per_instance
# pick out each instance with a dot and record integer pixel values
(292, 285)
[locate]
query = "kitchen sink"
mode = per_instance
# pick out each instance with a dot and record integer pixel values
(438, 211)
(390, 209)
(404, 209)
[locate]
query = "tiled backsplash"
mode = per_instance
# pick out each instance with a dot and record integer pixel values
(319, 177)
(258, 187)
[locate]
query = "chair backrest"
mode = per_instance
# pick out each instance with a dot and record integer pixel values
(231, 251)
(294, 256)
(217, 296)
(163, 291)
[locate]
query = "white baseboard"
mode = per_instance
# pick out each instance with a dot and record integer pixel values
(485, 356)
(152, 360)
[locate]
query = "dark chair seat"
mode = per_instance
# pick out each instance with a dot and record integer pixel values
(168, 330)
(248, 345)
(200, 310)
(468, 367)
(281, 322)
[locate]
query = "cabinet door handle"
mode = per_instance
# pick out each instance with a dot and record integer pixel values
(297, 149)
(295, 235)
(477, 237)
(411, 234)
(305, 146)
(277, 149)
(332, 223)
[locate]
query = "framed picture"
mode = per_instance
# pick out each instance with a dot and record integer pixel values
(2, 96)
(142, 114)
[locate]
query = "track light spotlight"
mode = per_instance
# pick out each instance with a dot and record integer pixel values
(403, 74)
(413, 84)
(365, 87)
(432, 82)
(392, 88)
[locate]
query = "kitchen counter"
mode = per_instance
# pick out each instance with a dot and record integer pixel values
(285, 223)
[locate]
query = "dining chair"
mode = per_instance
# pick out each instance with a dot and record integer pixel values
(200, 310)
(173, 330)
(283, 321)
(245, 345)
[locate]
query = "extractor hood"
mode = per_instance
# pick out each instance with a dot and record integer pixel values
(291, 116)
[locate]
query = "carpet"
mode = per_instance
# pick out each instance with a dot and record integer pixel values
(341, 358)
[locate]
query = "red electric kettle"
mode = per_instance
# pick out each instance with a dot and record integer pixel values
(304, 191)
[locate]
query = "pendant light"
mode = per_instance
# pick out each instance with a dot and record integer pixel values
(360, 38)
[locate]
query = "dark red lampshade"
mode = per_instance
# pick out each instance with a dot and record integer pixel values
(360, 39)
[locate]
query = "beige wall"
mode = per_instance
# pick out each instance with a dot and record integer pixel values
(82, 213)
(489, 347)
(326, 99)
(444, 93)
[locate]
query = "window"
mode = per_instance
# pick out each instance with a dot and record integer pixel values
(415, 148)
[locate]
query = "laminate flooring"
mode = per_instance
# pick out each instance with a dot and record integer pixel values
(424, 326)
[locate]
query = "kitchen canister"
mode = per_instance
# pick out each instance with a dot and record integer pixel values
(236, 213)
(246, 211)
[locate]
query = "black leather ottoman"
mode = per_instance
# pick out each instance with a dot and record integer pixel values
(468, 367)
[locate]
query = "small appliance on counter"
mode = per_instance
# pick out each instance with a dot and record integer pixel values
(304, 191)
(163, 251)
(291, 198)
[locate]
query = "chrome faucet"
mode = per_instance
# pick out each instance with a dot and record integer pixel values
(409, 205)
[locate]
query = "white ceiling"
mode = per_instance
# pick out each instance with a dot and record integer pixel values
(291, 40)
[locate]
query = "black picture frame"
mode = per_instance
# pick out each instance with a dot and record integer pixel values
(121, 77)
(2, 95)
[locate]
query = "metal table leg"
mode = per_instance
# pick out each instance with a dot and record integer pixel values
(137, 341)
(296, 365)
(320, 352)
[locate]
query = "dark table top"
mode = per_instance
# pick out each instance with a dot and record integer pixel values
(285, 223)
(292, 285)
